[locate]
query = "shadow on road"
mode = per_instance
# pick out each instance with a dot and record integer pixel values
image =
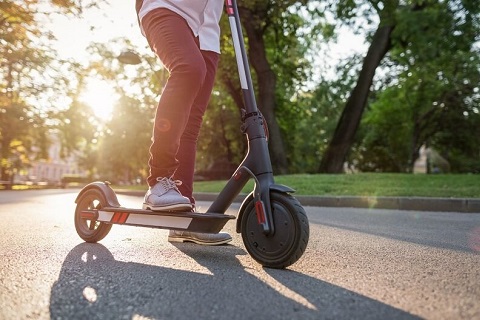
(93, 285)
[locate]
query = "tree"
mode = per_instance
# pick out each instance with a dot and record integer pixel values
(433, 96)
(442, 60)
(123, 149)
(343, 137)
(27, 80)
(21, 61)
(417, 31)
(273, 31)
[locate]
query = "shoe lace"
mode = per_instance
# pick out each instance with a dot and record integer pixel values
(169, 183)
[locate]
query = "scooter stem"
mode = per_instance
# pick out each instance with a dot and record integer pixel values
(256, 164)
(241, 56)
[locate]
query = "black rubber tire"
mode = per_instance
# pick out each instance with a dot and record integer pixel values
(290, 239)
(91, 230)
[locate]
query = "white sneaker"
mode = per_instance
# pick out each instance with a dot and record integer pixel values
(207, 239)
(165, 196)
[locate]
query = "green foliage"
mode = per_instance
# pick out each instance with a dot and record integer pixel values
(433, 97)
(24, 61)
(33, 83)
(123, 148)
(76, 127)
(319, 111)
(221, 140)
(387, 123)
(427, 92)
(458, 141)
(287, 29)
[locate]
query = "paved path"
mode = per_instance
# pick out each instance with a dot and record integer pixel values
(360, 264)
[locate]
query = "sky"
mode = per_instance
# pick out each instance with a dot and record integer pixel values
(96, 25)
(119, 20)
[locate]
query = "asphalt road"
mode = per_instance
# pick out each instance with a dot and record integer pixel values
(359, 264)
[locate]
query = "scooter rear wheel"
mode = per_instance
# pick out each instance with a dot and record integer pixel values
(289, 241)
(91, 230)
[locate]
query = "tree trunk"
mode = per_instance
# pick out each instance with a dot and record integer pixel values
(343, 137)
(266, 89)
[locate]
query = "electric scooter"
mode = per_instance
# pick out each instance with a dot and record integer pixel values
(273, 224)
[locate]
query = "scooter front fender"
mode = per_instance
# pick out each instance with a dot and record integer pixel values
(104, 188)
(274, 187)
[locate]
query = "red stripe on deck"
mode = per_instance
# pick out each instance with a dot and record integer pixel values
(120, 217)
(123, 217)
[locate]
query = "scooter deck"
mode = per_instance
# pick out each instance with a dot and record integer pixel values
(187, 221)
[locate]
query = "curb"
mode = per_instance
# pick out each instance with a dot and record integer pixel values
(461, 205)
(396, 203)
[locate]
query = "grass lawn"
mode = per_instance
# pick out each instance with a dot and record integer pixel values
(361, 184)
(371, 184)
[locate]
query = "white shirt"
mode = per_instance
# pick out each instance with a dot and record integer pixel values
(202, 17)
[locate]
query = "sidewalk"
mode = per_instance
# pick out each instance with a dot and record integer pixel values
(460, 205)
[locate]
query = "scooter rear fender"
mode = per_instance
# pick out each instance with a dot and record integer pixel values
(104, 188)
(274, 187)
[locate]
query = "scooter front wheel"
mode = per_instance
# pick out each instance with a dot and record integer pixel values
(88, 229)
(289, 241)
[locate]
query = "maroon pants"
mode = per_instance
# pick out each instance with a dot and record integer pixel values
(184, 99)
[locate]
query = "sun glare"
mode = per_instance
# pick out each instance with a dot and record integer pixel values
(101, 97)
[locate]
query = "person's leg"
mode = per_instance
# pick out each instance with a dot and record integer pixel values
(171, 39)
(188, 142)
(186, 156)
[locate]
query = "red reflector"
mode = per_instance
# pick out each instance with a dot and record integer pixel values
(237, 175)
(229, 7)
(260, 212)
